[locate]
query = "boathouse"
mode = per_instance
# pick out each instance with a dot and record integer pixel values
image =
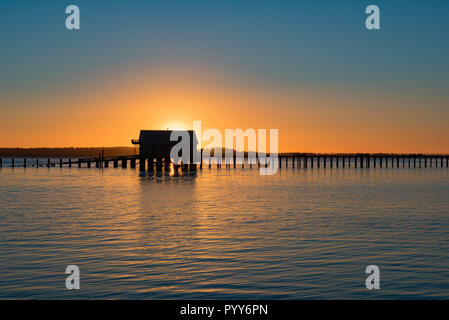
(156, 144)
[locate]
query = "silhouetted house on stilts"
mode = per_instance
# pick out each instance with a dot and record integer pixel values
(155, 147)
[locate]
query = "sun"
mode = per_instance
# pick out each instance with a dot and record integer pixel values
(175, 126)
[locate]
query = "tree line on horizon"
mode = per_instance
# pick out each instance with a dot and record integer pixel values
(68, 152)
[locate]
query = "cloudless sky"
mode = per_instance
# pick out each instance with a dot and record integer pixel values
(308, 68)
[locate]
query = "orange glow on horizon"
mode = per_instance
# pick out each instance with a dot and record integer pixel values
(112, 113)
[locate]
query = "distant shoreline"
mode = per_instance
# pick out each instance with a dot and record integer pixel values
(67, 152)
(91, 152)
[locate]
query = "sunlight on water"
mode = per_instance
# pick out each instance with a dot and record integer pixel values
(302, 233)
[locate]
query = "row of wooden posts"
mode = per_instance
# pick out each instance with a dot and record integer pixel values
(318, 161)
(99, 163)
(365, 161)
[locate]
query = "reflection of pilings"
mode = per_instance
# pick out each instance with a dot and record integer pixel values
(106, 163)
(124, 163)
(132, 163)
(115, 163)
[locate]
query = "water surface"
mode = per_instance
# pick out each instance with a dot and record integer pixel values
(231, 234)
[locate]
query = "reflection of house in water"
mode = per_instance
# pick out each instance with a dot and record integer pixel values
(155, 147)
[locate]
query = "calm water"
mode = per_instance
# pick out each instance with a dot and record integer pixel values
(302, 233)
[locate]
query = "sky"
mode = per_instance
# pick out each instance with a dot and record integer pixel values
(307, 68)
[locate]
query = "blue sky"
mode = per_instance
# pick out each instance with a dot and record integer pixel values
(301, 46)
(284, 42)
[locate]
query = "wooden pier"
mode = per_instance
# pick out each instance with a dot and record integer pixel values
(290, 160)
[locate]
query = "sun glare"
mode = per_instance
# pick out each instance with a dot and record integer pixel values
(175, 126)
